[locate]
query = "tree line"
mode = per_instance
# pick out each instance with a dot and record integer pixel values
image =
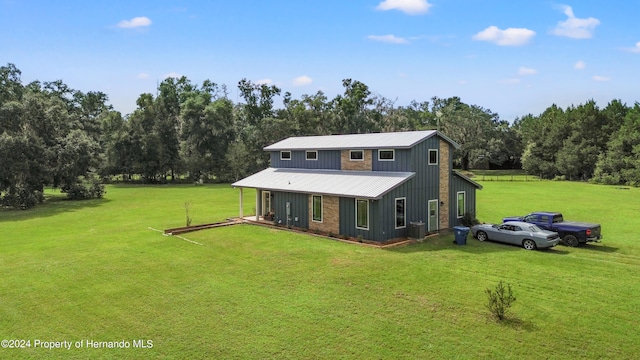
(54, 136)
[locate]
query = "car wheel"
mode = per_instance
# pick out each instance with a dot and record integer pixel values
(481, 235)
(571, 240)
(529, 244)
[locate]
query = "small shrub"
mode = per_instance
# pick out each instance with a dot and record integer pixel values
(360, 238)
(84, 190)
(21, 197)
(500, 300)
(560, 178)
(469, 219)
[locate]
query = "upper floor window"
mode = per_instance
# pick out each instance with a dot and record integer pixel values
(433, 157)
(285, 155)
(312, 155)
(356, 155)
(386, 155)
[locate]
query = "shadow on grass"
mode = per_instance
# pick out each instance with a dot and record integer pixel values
(516, 324)
(556, 250)
(447, 243)
(472, 246)
(600, 248)
(53, 205)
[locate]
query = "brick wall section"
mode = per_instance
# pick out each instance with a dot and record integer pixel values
(365, 165)
(330, 215)
(445, 173)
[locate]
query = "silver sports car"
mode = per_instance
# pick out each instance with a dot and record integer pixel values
(519, 233)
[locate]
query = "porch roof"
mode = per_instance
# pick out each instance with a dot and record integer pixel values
(356, 184)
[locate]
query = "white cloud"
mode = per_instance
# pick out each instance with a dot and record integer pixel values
(136, 22)
(392, 39)
(601, 78)
(580, 65)
(635, 49)
(142, 76)
(507, 37)
(264, 82)
(526, 71)
(513, 81)
(172, 75)
(574, 27)
(302, 80)
(411, 7)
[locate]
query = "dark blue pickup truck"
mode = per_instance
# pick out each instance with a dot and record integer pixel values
(571, 233)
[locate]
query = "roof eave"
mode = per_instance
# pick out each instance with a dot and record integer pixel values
(468, 179)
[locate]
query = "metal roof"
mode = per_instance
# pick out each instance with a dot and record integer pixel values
(357, 184)
(395, 140)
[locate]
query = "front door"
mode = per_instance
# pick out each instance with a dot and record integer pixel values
(266, 202)
(433, 215)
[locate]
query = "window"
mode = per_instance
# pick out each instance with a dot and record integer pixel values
(362, 214)
(461, 204)
(312, 155)
(400, 213)
(433, 157)
(316, 207)
(285, 155)
(356, 155)
(386, 155)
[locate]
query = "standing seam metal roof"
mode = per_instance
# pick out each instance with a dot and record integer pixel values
(396, 140)
(357, 184)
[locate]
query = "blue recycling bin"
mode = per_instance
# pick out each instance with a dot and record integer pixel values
(461, 234)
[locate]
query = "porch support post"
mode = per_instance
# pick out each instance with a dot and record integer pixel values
(241, 205)
(258, 192)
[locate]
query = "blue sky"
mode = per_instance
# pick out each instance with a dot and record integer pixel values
(513, 57)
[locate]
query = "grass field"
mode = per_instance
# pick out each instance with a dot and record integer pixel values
(79, 271)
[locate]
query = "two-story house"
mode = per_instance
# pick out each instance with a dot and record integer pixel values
(372, 185)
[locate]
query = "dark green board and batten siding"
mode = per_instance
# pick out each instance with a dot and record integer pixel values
(299, 206)
(459, 184)
(327, 160)
(417, 191)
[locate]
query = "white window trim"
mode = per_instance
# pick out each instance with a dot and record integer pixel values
(395, 212)
(306, 155)
(321, 209)
(352, 151)
(285, 151)
(429, 158)
(458, 204)
(392, 151)
(356, 210)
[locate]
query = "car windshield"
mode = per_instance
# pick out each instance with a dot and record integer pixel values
(534, 228)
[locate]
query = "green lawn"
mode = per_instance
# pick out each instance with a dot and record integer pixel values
(92, 270)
